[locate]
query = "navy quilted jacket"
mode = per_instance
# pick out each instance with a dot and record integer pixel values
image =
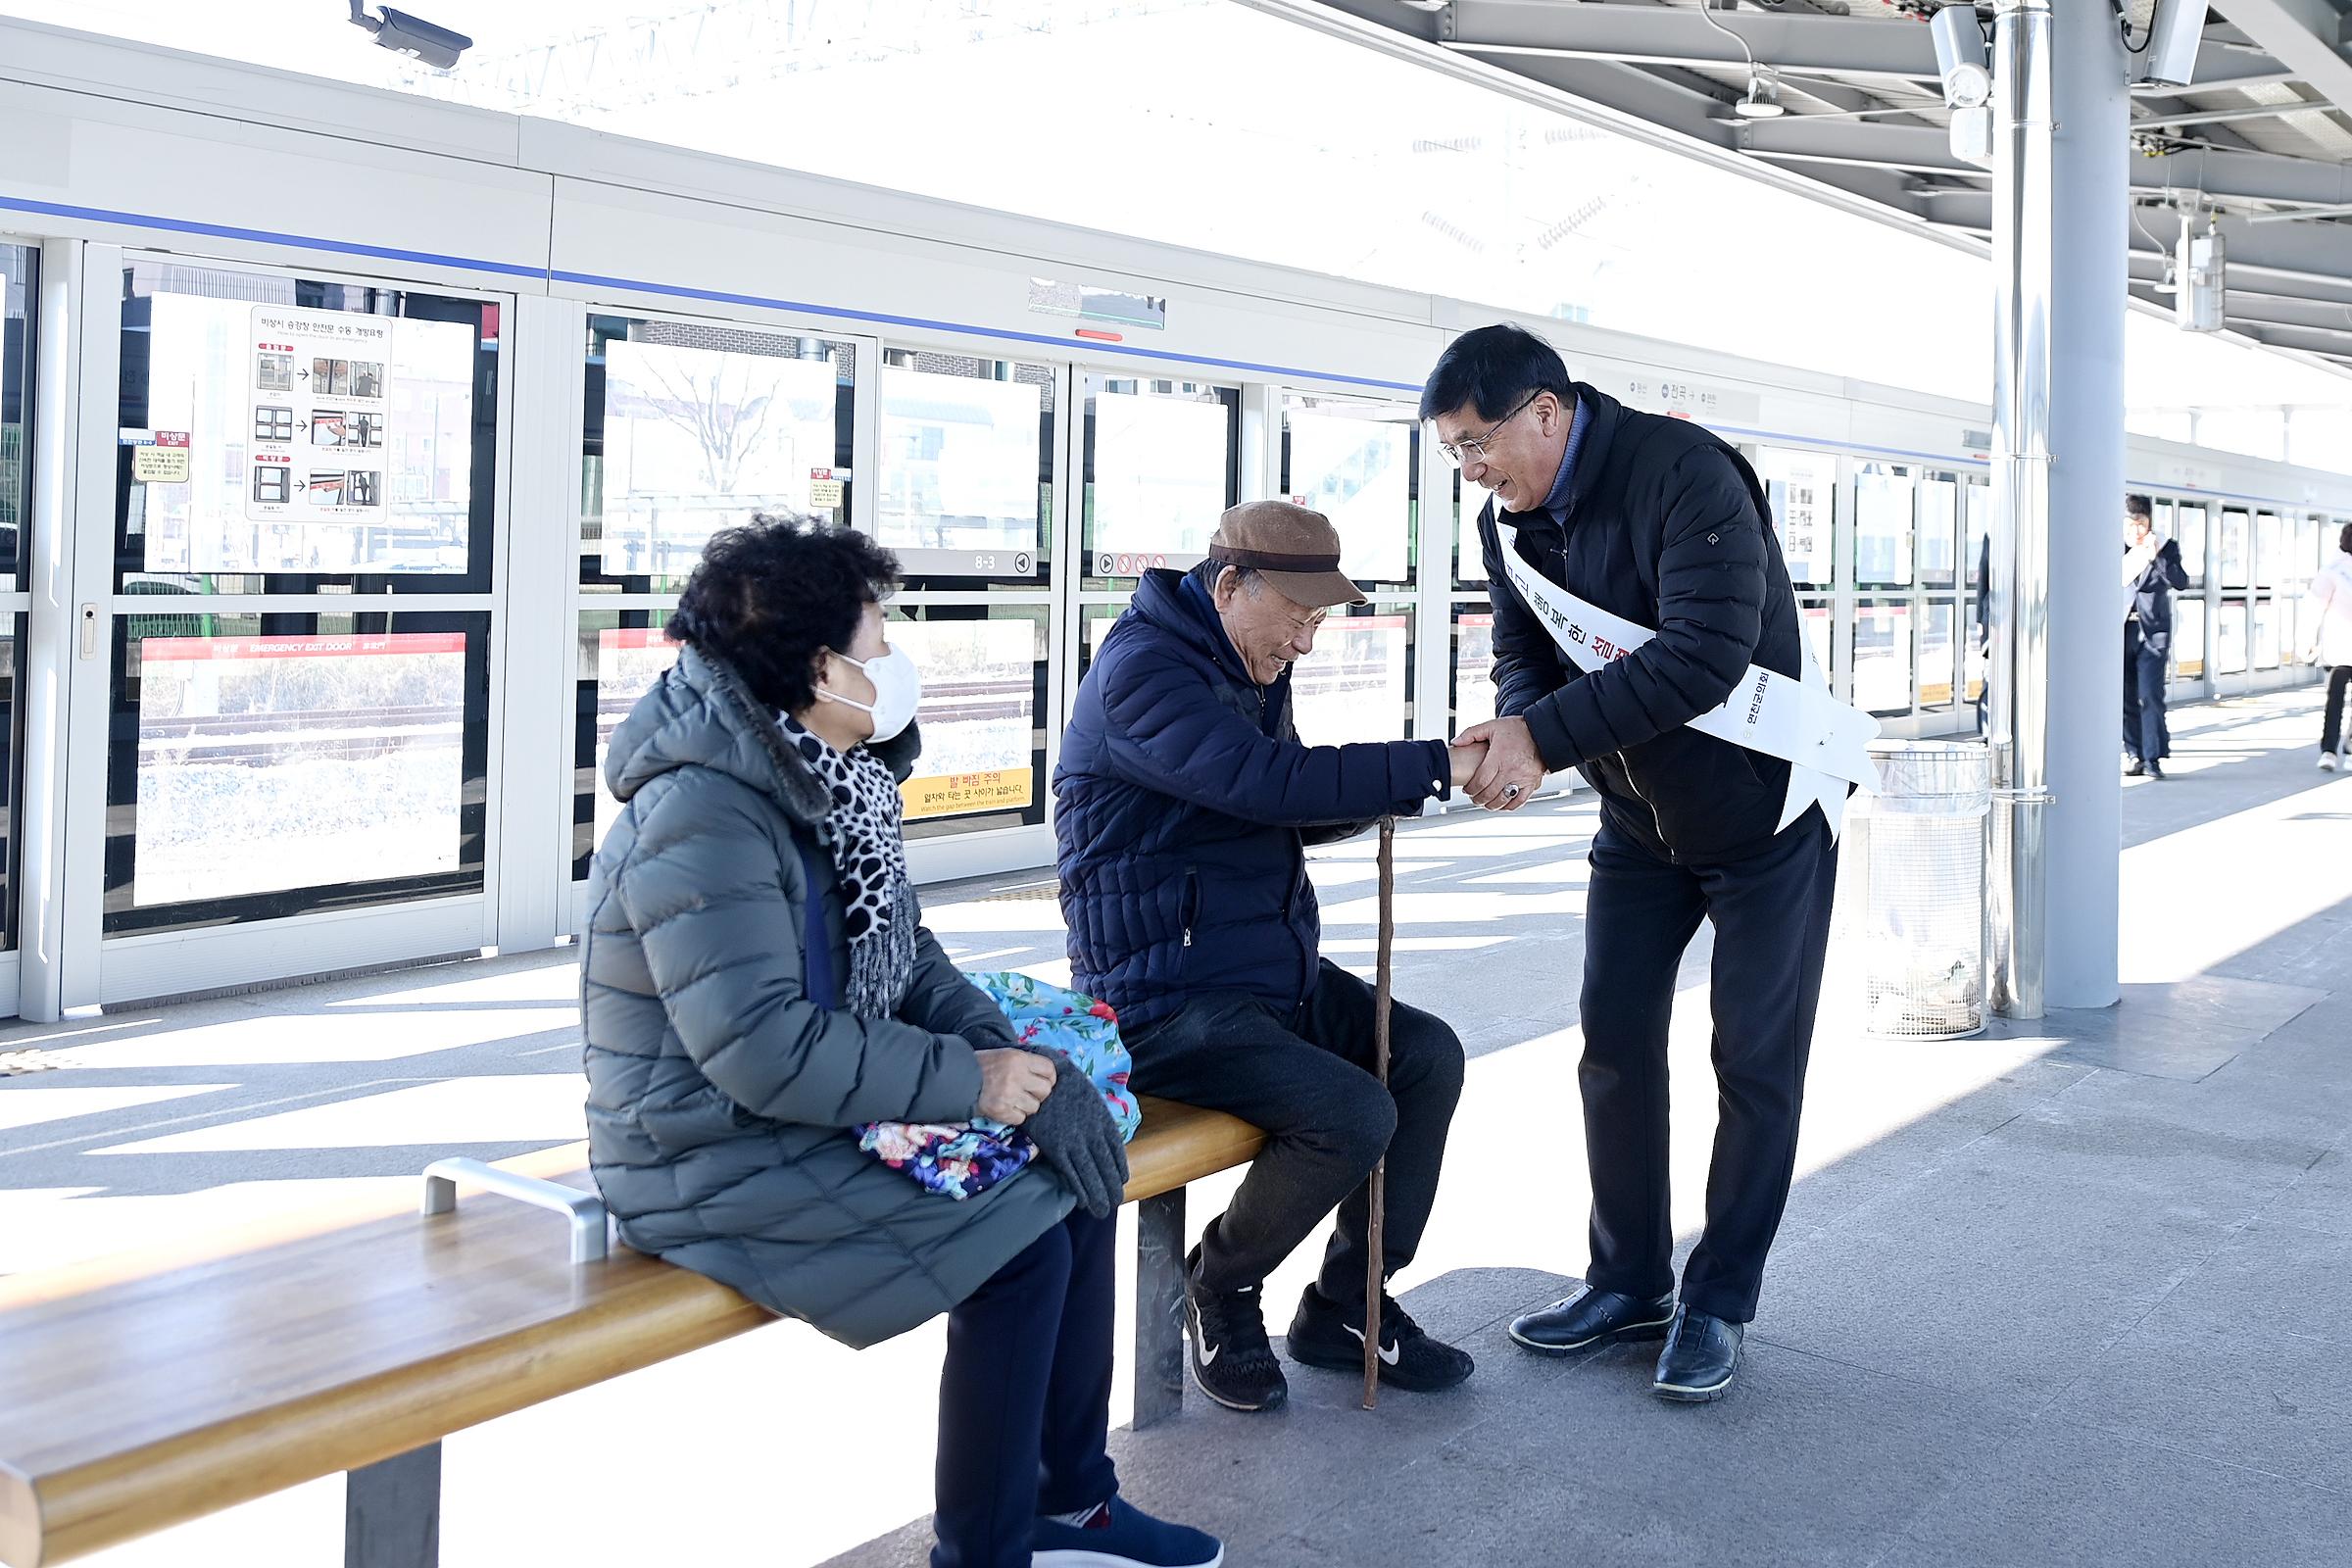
(1183, 801)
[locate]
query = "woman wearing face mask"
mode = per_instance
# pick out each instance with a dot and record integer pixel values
(758, 987)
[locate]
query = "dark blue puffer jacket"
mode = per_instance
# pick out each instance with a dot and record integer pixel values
(1183, 801)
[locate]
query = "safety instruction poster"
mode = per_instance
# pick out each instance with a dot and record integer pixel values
(319, 384)
(979, 713)
(1800, 486)
(996, 789)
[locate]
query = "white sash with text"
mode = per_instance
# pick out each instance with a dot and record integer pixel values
(1825, 742)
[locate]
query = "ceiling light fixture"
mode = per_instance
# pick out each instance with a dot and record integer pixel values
(1763, 100)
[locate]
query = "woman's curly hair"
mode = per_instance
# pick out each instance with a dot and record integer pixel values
(770, 596)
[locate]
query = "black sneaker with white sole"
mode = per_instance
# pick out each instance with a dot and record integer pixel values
(1331, 1336)
(1231, 1359)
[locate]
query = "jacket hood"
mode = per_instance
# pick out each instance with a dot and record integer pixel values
(1164, 598)
(701, 714)
(1161, 599)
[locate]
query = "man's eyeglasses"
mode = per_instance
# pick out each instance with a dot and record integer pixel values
(1475, 446)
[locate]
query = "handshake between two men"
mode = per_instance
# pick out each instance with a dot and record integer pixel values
(1186, 801)
(1496, 765)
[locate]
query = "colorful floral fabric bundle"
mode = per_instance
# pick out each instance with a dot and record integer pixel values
(962, 1158)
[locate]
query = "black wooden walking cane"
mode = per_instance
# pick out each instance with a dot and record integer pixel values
(1373, 1282)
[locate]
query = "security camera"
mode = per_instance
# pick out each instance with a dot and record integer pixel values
(404, 35)
(1960, 57)
(2175, 35)
(1960, 61)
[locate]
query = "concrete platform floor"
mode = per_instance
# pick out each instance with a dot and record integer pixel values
(2075, 1292)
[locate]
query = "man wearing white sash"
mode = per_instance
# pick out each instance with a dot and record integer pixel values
(1646, 635)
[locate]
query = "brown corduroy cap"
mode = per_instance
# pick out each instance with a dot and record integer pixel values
(1297, 550)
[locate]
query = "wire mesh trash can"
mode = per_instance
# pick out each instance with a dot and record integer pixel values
(1917, 848)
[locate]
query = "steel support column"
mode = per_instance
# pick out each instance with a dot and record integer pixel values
(2060, 186)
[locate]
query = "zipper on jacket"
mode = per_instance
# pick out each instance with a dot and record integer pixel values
(1657, 824)
(1192, 892)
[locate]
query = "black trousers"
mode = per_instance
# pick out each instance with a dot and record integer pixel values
(1024, 1398)
(2147, 734)
(2332, 723)
(1304, 1075)
(1772, 929)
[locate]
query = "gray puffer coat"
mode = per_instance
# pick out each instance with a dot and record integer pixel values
(722, 1099)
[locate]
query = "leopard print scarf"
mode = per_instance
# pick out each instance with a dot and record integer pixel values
(869, 857)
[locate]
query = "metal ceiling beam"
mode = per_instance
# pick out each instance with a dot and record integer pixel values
(2238, 177)
(1656, 113)
(1794, 44)
(2214, 70)
(1674, 35)
(2306, 36)
(2250, 253)
(2332, 319)
(2147, 265)
(2226, 116)
(1692, 110)
(2266, 309)
(1928, 147)
(2236, 181)
(2311, 345)
(2298, 337)
(2298, 214)
(1655, 108)
(2314, 250)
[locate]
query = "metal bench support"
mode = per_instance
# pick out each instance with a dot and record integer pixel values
(392, 1512)
(1159, 1308)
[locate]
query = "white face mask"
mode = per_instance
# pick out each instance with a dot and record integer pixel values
(898, 691)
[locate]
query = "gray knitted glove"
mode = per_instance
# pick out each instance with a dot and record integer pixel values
(1075, 1134)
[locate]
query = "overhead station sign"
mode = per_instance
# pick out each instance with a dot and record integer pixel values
(1090, 301)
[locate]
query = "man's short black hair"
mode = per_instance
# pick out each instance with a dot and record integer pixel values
(767, 598)
(2138, 507)
(1490, 371)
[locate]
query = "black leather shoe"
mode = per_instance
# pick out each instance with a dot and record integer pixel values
(1590, 1319)
(1701, 1353)
(2155, 768)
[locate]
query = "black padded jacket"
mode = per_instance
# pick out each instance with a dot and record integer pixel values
(1665, 526)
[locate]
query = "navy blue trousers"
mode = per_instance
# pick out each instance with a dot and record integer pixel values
(2147, 733)
(1024, 1398)
(1771, 914)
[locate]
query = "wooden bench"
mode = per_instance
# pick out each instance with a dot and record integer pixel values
(147, 1388)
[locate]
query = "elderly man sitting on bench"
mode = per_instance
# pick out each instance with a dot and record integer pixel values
(1185, 801)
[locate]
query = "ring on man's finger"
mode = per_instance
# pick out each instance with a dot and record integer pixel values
(1510, 792)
